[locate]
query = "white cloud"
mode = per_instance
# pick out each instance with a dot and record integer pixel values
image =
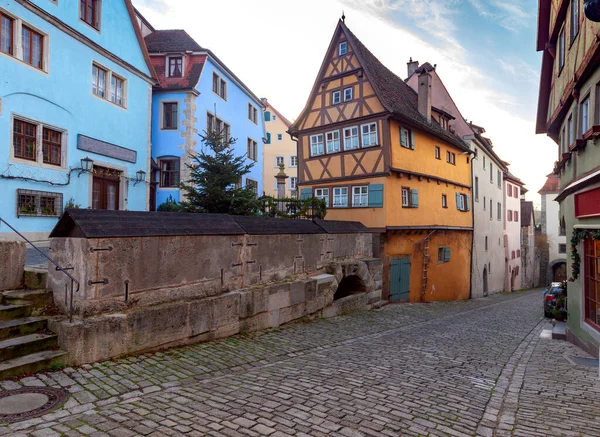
(510, 14)
(277, 47)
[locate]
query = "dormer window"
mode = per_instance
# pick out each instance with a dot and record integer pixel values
(175, 66)
(89, 12)
(343, 48)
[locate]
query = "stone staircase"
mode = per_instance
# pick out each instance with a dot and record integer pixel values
(26, 344)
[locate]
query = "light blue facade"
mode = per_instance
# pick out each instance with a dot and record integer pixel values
(59, 97)
(200, 101)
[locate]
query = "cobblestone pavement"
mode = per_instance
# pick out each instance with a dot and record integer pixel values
(480, 367)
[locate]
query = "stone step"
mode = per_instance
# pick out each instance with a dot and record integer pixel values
(35, 278)
(10, 311)
(559, 331)
(379, 304)
(32, 363)
(17, 327)
(38, 298)
(26, 345)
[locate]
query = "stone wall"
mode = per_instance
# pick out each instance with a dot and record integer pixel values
(12, 265)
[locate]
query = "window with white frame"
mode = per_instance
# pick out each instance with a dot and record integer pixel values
(253, 185)
(333, 141)
(360, 196)
(252, 113)
(33, 43)
(252, 149)
(351, 138)
(38, 142)
(316, 145)
(109, 86)
(499, 211)
(343, 48)
(175, 66)
(293, 182)
(444, 201)
(369, 134)
(274, 117)
(219, 86)
(438, 152)
(499, 179)
(347, 94)
(585, 115)
(340, 197)
(279, 160)
(323, 194)
(406, 197)
(293, 161)
(406, 138)
(336, 97)
(276, 184)
(279, 137)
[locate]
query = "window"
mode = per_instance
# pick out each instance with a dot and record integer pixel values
(89, 12)
(343, 48)
(360, 196)
(175, 67)
(340, 197)
(252, 185)
(499, 179)
(491, 210)
(323, 194)
(347, 94)
(276, 184)
(476, 187)
(444, 201)
(484, 162)
(486, 244)
(499, 211)
(210, 122)
(351, 138)
(509, 190)
(410, 198)
(336, 97)
(99, 81)
(333, 141)
(513, 254)
(585, 115)
(6, 34)
(274, 117)
(39, 204)
(562, 248)
(484, 203)
(443, 254)
(169, 172)
(592, 282)
(405, 197)
(279, 137)
(438, 152)
(509, 215)
(24, 140)
(369, 134)
(491, 173)
(570, 130)
(406, 138)
(252, 113)
(219, 86)
(170, 115)
(574, 19)
(293, 161)
(117, 90)
(516, 192)
(293, 182)
(218, 126)
(518, 253)
(451, 158)
(516, 216)
(316, 145)
(561, 50)
(463, 202)
(252, 150)
(267, 114)
(279, 160)
(51, 146)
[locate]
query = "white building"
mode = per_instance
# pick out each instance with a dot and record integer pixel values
(513, 189)
(554, 261)
(529, 257)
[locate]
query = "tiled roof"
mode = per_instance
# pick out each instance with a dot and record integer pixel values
(527, 217)
(512, 177)
(174, 40)
(193, 70)
(551, 185)
(395, 94)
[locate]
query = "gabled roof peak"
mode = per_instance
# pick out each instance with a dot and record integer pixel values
(171, 40)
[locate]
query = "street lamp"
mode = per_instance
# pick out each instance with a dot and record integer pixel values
(86, 165)
(140, 176)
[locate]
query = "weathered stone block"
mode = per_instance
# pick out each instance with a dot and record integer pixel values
(253, 302)
(201, 317)
(256, 323)
(298, 292)
(36, 279)
(226, 309)
(293, 312)
(279, 296)
(12, 264)
(374, 296)
(156, 326)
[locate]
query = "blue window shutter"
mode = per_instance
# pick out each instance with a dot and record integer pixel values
(376, 195)
(412, 140)
(268, 137)
(306, 193)
(468, 205)
(446, 254)
(414, 198)
(403, 137)
(458, 201)
(267, 116)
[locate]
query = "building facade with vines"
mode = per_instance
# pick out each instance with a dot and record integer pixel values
(74, 110)
(569, 113)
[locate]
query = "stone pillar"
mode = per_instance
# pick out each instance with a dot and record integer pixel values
(281, 182)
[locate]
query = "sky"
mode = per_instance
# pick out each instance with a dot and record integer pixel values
(484, 51)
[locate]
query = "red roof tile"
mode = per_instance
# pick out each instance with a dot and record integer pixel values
(551, 185)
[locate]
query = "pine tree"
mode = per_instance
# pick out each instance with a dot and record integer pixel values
(215, 179)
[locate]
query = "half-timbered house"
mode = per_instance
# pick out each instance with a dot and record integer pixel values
(368, 146)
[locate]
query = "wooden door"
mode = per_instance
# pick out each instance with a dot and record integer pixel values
(105, 190)
(400, 280)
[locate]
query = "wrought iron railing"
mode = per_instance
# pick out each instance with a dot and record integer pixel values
(57, 267)
(307, 209)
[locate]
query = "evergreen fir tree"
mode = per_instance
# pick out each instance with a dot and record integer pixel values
(215, 180)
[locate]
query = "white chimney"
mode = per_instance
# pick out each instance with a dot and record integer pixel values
(425, 94)
(412, 66)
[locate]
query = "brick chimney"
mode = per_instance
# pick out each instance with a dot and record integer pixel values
(412, 66)
(425, 94)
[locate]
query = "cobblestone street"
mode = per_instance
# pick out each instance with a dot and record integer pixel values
(481, 367)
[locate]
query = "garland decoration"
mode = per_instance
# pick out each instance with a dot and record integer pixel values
(293, 208)
(578, 236)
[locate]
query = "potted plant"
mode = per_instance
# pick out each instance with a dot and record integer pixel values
(560, 311)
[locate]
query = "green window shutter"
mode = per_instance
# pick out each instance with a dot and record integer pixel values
(458, 201)
(403, 137)
(412, 140)
(376, 195)
(306, 193)
(414, 194)
(446, 254)
(468, 205)
(268, 137)
(267, 116)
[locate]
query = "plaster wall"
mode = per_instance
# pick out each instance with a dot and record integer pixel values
(512, 241)
(286, 147)
(553, 228)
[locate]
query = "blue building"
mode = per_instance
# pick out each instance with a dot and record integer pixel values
(75, 90)
(196, 93)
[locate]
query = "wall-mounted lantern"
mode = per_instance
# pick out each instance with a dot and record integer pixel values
(140, 176)
(87, 165)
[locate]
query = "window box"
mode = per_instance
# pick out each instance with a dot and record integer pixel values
(39, 203)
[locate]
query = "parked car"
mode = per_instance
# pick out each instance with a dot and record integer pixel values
(551, 295)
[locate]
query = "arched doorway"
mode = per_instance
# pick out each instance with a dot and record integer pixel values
(485, 282)
(349, 285)
(559, 272)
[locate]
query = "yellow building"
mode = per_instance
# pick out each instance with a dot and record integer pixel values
(279, 149)
(368, 146)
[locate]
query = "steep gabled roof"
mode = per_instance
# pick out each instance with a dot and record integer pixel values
(551, 185)
(191, 75)
(171, 40)
(279, 114)
(139, 37)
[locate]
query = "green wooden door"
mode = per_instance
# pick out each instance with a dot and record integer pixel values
(400, 280)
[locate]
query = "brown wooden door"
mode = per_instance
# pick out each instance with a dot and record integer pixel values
(105, 191)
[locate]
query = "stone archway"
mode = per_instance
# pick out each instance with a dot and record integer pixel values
(348, 286)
